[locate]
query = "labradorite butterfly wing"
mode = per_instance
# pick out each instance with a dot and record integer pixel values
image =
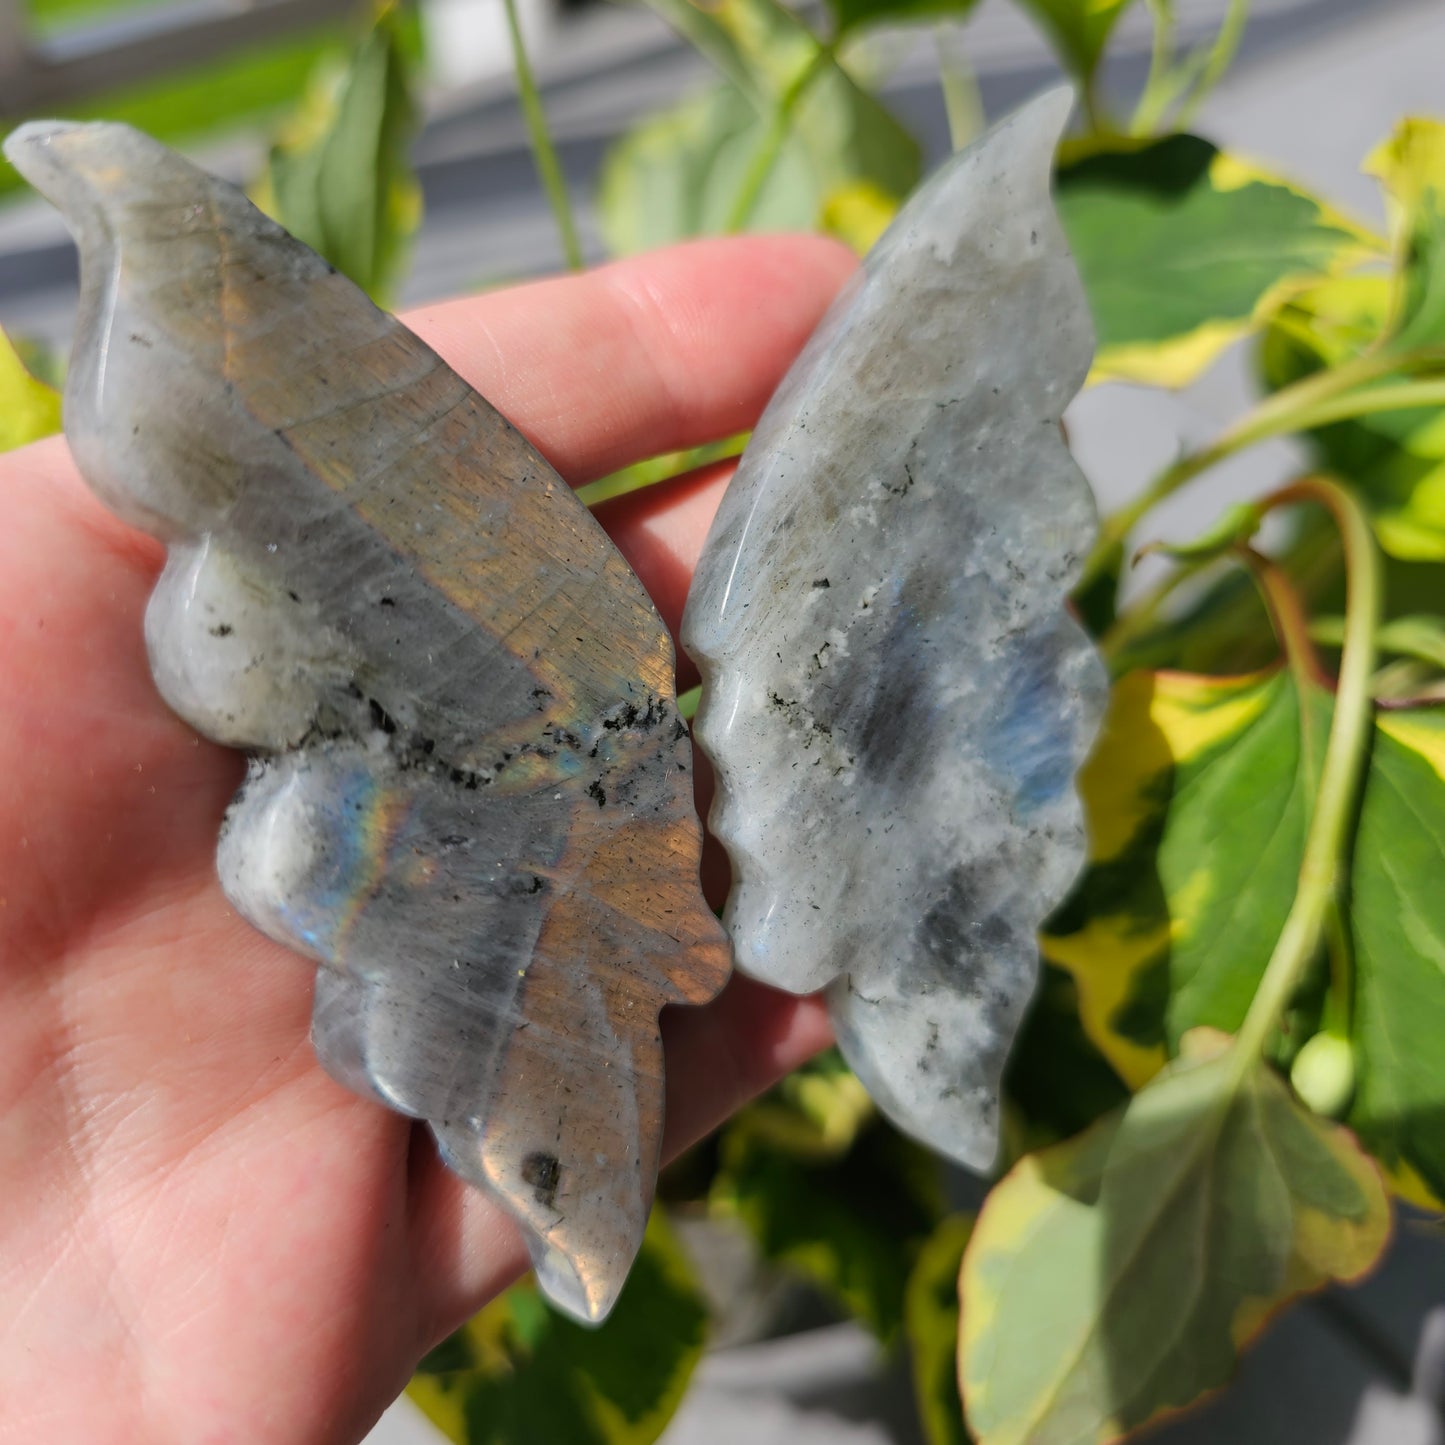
(896, 700)
(470, 797)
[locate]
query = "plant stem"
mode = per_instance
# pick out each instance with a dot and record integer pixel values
(549, 169)
(1331, 824)
(771, 146)
(1095, 119)
(1339, 393)
(1146, 609)
(1401, 396)
(1155, 97)
(1226, 43)
(961, 100)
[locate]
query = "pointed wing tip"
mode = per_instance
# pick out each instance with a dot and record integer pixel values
(26, 142)
(73, 163)
(1035, 128)
(1052, 107)
(586, 1300)
(37, 137)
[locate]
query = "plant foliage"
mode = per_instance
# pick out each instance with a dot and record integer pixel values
(338, 176)
(1231, 1063)
(1201, 1206)
(1254, 951)
(1234, 1057)
(519, 1372)
(29, 409)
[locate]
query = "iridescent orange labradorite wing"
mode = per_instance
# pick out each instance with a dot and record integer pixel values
(470, 797)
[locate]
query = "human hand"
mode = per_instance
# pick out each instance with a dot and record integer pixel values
(203, 1237)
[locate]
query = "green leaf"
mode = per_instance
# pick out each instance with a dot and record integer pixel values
(1411, 167)
(338, 177)
(1079, 30)
(853, 14)
(1116, 1277)
(1197, 799)
(1396, 460)
(1397, 907)
(520, 1373)
(764, 49)
(1417, 635)
(677, 173)
(29, 409)
(930, 1318)
(832, 1191)
(1184, 249)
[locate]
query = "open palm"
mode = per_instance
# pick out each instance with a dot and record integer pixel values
(202, 1237)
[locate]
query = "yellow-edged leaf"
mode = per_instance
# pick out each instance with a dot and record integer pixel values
(29, 409)
(1114, 1278)
(520, 1373)
(1198, 796)
(1184, 249)
(930, 1317)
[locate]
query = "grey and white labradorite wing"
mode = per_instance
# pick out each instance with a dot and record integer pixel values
(471, 795)
(895, 699)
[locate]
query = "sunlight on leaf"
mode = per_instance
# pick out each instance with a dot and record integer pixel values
(1411, 167)
(1184, 249)
(1397, 908)
(1116, 1277)
(653, 471)
(763, 48)
(29, 409)
(1395, 459)
(857, 214)
(1197, 798)
(676, 174)
(1197, 811)
(519, 1373)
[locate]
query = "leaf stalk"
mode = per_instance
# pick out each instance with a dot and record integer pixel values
(1338, 394)
(1331, 824)
(544, 154)
(760, 167)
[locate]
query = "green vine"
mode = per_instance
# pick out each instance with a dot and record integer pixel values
(1331, 824)
(549, 168)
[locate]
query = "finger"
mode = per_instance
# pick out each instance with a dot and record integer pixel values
(661, 531)
(644, 356)
(718, 1057)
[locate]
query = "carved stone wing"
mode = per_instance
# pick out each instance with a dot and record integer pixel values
(470, 797)
(895, 699)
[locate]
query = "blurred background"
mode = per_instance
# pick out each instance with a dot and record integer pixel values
(221, 79)
(804, 1341)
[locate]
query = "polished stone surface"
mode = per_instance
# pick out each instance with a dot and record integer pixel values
(895, 698)
(471, 794)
